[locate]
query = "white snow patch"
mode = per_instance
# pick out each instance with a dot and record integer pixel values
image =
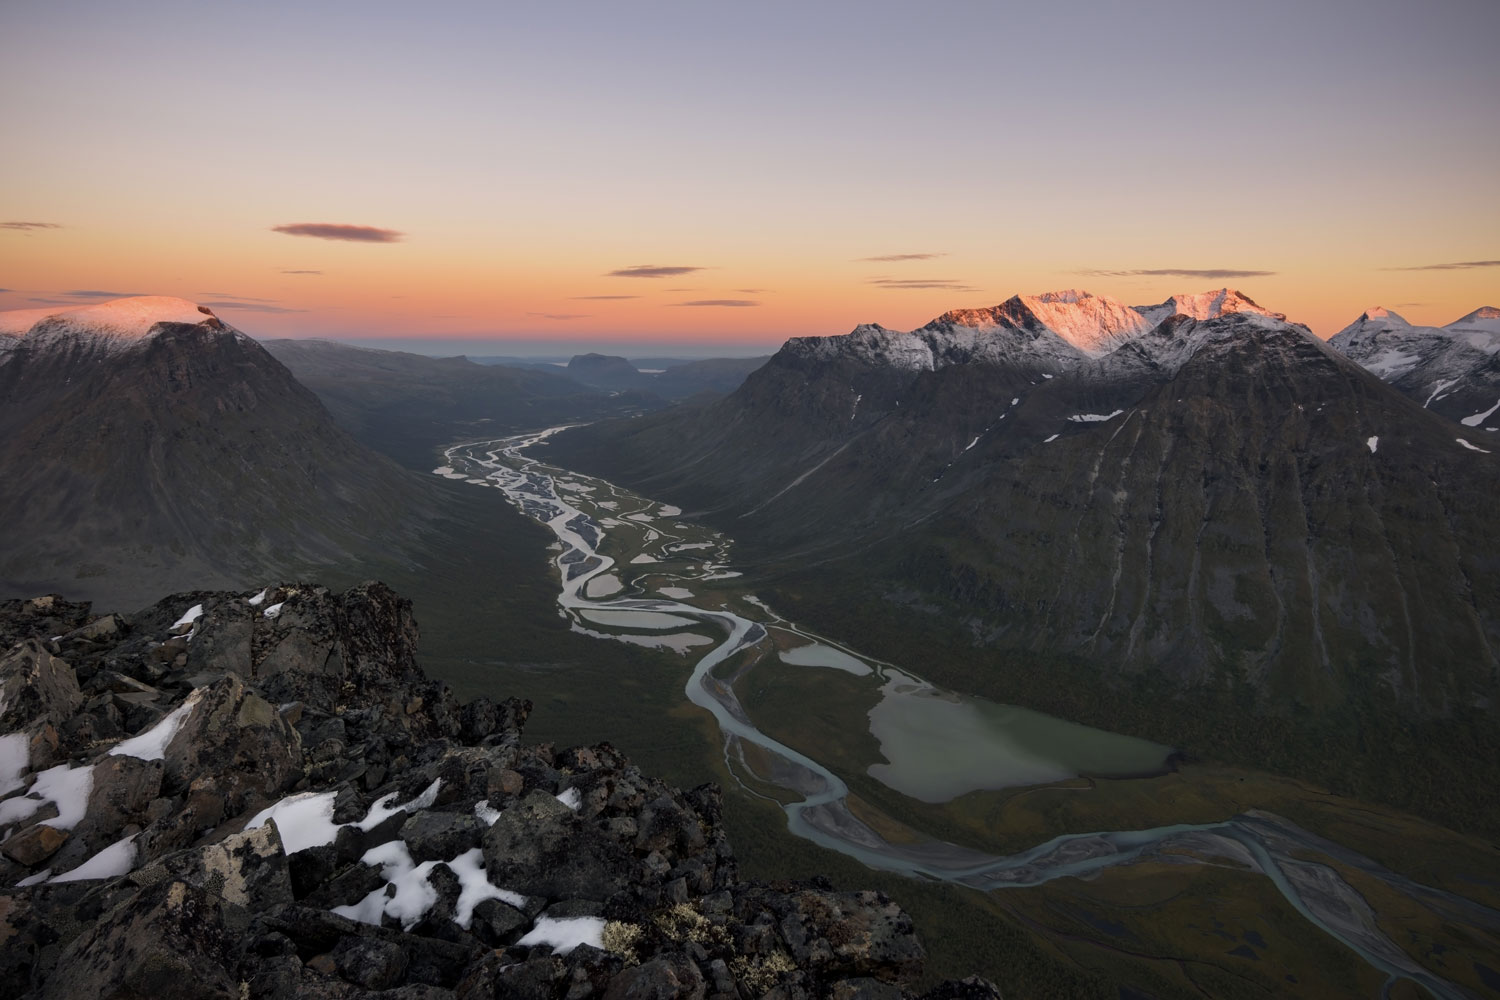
(189, 616)
(259, 598)
(565, 933)
(304, 820)
(1051, 439)
(15, 758)
(1094, 418)
(642, 559)
(1472, 447)
(68, 789)
(676, 593)
(685, 546)
(1014, 400)
(384, 808)
(973, 442)
(36, 879)
(487, 813)
(274, 611)
(152, 744)
(1478, 418)
(443, 470)
(114, 861)
(469, 868)
(1372, 443)
(571, 797)
(414, 894)
(667, 510)
(1441, 385)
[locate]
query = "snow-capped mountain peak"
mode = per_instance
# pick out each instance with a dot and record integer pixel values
(1205, 305)
(110, 325)
(1095, 324)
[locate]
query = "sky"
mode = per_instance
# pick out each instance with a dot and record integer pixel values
(706, 178)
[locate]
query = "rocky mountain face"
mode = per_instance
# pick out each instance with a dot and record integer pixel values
(406, 405)
(1452, 370)
(143, 442)
(261, 795)
(1222, 499)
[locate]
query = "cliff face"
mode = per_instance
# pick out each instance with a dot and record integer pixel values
(262, 795)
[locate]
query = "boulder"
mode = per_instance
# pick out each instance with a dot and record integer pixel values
(167, 942)
(36, 686)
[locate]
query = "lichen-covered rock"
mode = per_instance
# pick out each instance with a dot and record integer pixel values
(36, 687)
(167, 942)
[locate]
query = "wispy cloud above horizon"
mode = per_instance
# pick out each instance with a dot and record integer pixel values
(559, 316)
(922, 284)
(651, 271)
(94, 293)
(601, 298)
(728, 303)
(301, 271)
(1462, 265)
(258, 305)
(27, 227)
(340, 231)
(1175, 272)
(894, 258)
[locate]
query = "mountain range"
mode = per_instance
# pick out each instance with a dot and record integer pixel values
(1453, 370)
(1198, 496)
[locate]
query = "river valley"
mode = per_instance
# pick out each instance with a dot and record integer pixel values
(631, 570)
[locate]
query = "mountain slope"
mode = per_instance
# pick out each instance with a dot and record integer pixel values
(1453, 370)
(144, 443)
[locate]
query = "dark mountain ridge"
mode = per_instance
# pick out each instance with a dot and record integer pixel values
(140, 451)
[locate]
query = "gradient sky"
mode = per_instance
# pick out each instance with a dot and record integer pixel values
(1329, 154)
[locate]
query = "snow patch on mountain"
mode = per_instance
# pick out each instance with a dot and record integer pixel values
(113, 325)
(1205, 305)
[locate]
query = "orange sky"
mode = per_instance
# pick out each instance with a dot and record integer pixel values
(1348, 154)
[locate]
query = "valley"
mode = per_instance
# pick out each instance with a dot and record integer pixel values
(860, 756)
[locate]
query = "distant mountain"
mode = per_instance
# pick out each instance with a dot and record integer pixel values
(407, 404)
(1453, 370)
(146, 444)
(1216, 495)
(677, 382)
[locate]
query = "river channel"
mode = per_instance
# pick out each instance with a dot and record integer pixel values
(937, 744)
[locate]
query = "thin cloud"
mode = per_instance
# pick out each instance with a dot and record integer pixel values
(234, 297)
(27, 227)
(51, 302)
(752, 291)
(921, 284)
(560, 316)
(894, 258)
(1212, 273)
(731, 303)
(338, 231)
(301, 272)
(1462, 265)
(261, 307)
(651, 271)
(601, 298)
(94, 293)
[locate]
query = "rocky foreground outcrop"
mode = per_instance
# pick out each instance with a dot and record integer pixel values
(261, 795)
